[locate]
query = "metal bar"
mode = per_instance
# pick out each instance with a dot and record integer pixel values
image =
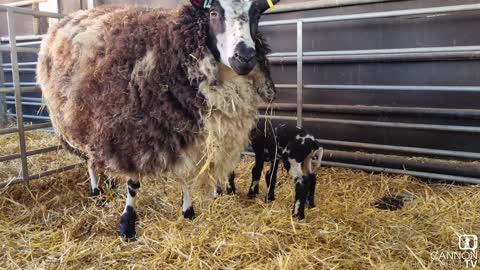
(30, 43)
(427, 175)
(18, 180)
(404, 149)
(466, 169)
(21, 69)
(3, 97)
(24, 37)
(5, 131)
(27, 11)
(22, 64)
(381, 58)
(299, 73)
(450, 128)
(24, 84)
(319, 4)
(27, 116)
(381, 51)
(31, 153)
(375, 15)
(9, 90)
(361, 109)
(26, 98)
(4, 48)
(18, 93)
(384, 87)
(26, 104)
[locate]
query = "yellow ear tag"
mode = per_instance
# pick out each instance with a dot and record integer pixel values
(270, 3)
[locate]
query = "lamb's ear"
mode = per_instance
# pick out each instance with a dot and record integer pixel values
(201, 3)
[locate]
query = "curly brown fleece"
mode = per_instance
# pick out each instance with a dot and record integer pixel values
(124, 86)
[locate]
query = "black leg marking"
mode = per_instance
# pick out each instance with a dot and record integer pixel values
(95, 192)
(189, 213)
(311, 183)
(127, 224)
(299, 206)
(218, 191)
(129, 216)
(231, 189)
(187, 207)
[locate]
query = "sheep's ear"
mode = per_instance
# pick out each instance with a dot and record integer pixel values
(201, 3)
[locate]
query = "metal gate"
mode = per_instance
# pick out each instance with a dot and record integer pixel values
(300, 58)
(18, 90)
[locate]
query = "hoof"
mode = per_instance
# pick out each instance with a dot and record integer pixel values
(252, 193)
(95, 192)
(310, 204)
(189, 214)
(270, 198)
(231, 190)
(127, 225)
(217, 192)
(299, 216)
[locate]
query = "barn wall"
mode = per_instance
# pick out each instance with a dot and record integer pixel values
(403, 32)
(458, 29)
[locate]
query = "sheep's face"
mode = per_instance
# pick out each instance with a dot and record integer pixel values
(233, 26)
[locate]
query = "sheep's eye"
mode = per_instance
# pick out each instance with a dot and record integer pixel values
(213, 13)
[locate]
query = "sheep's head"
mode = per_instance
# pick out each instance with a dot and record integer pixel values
(233, 26)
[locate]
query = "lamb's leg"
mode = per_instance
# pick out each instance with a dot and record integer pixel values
(231, 189)
(310, 183)
(271, 179)
(187, 207)
(94, 191)
(256, 174)
(295, 170)
(129, 216)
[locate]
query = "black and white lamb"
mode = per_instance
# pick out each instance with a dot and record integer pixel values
(297, 149)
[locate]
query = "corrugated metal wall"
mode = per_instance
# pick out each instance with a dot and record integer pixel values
(375, 102)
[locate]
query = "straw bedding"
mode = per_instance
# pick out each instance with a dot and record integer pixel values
(53, 224)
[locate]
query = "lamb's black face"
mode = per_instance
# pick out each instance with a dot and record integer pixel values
(233, 26)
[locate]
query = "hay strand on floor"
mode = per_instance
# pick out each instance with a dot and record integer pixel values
(56, 225)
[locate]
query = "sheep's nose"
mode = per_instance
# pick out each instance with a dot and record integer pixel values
(243, 53)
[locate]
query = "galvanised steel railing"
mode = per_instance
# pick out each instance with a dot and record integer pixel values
(299, 57)
(17, 89)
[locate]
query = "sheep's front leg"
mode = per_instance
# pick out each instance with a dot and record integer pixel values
(295, 170)
(187, 206)
(256, 174)
(129, 216)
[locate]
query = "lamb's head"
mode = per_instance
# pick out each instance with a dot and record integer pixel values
(233, 26)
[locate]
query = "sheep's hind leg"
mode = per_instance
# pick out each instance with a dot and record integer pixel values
(129, 216)
(95, 191)
(187, 207)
